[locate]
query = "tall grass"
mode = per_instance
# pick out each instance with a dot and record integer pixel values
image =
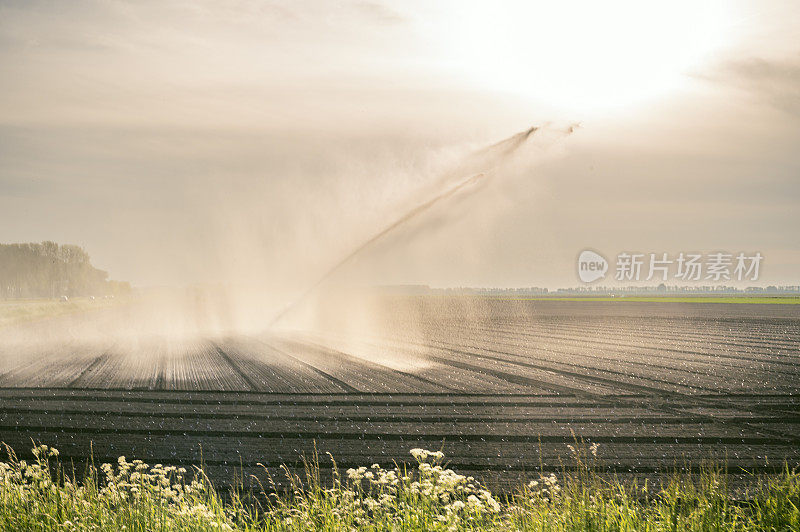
(43, 494)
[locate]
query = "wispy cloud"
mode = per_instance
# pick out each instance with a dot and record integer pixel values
(776, 81)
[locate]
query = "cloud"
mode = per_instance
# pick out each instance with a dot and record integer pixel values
(378, 12)
(774, 81)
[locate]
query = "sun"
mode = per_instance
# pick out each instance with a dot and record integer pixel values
(584, 56)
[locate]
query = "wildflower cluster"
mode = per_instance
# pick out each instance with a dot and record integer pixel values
(461, 495)
(124, 491)
(165, 486)
(544, 489)
(429, 495)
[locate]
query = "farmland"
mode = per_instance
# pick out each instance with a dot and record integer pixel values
(15, 310)
(503, 386)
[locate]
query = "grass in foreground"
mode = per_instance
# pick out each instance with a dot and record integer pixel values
(134, 496)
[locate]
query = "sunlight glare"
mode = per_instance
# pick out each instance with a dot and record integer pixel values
(584, 55)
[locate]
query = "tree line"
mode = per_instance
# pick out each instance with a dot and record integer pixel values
(48, 269)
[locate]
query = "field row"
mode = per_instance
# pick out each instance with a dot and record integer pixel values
(501, 438)
(448, 362)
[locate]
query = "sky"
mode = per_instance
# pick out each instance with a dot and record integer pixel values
(258, 142)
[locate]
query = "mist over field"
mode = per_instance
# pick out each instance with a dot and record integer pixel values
(253, 300)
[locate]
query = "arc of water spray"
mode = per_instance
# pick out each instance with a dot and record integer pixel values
(507, 147)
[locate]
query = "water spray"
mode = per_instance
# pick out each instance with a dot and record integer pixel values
(496, 153)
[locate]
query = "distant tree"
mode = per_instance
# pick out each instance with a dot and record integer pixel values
(50, 270)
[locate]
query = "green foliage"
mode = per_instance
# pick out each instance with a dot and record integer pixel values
(135, 496)
(50, 270)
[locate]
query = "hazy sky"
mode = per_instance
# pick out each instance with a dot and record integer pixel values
(197, 140)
